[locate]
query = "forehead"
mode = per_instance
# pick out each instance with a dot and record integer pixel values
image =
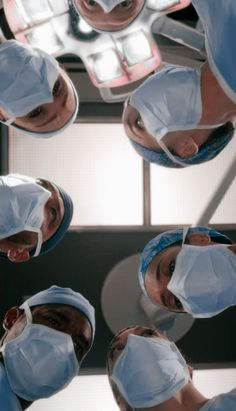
(48, 185)
(71, 316)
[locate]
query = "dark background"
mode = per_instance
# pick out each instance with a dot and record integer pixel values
(82, 261)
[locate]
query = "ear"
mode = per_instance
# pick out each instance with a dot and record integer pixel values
(11, 317)
(199, 239)
(190, 370)
(16, 255)
(2, 115)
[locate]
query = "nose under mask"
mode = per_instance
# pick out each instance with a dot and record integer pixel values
(149, 371)
(204, 279)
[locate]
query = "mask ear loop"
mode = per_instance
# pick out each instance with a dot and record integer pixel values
(28, 313)
(9, 121)
(39, 244)
(170, 155)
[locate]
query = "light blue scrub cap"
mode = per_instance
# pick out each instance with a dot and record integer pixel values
(59, 295)
(166, 239)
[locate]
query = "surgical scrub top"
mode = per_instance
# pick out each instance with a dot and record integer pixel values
(223, 402)
(219, 21)
(8, 400)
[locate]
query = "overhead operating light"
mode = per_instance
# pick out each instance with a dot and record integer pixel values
(35, 10)
(45, 38)
(106, 65)
(136, 48)
(161, 5)
(84, 27)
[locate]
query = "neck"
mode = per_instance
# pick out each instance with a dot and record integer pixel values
(214, 113)
(187, 399)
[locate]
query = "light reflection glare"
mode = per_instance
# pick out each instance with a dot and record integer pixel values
(107, 66)
(84, 26)
(45, 38)
(77, 396)
(136, 48)
(160, 5)
(36, 10)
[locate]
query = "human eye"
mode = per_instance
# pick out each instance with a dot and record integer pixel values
(56, 87)
(53, 321)
(36, 112)
(139, 123)
(91, 2)
(171, 267)
(124, 3)
(53, 212)
(148, 333)
(178, 304)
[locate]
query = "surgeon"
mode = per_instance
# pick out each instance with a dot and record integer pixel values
(190, 270)
(109, 15)
(34, 216)
(36, 94)
(45, 341)
(184, 116)
(151, 374)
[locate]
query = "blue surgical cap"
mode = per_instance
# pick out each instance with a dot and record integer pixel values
(62, 229)
(206, 152)
(59, 295)
(166, 239)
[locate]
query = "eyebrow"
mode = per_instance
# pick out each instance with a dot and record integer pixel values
(54, 115)
(158, 273)
(163, 300)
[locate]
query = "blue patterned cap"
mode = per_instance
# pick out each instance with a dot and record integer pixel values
(166, 239)
(206, 152)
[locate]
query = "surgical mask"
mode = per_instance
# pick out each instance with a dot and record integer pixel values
(204, 279)
(108, 5)
(28, 75)
(40, 361)
(22, 203)
(170, 100)
(149, 371)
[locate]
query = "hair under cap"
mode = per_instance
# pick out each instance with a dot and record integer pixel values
(60, 295)
(166, 239)
(65, 223)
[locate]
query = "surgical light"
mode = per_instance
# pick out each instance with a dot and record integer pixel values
(84, 27)
(161, 5)
(106, 65)
(45, 38)
(136, 48)
(35, 10)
